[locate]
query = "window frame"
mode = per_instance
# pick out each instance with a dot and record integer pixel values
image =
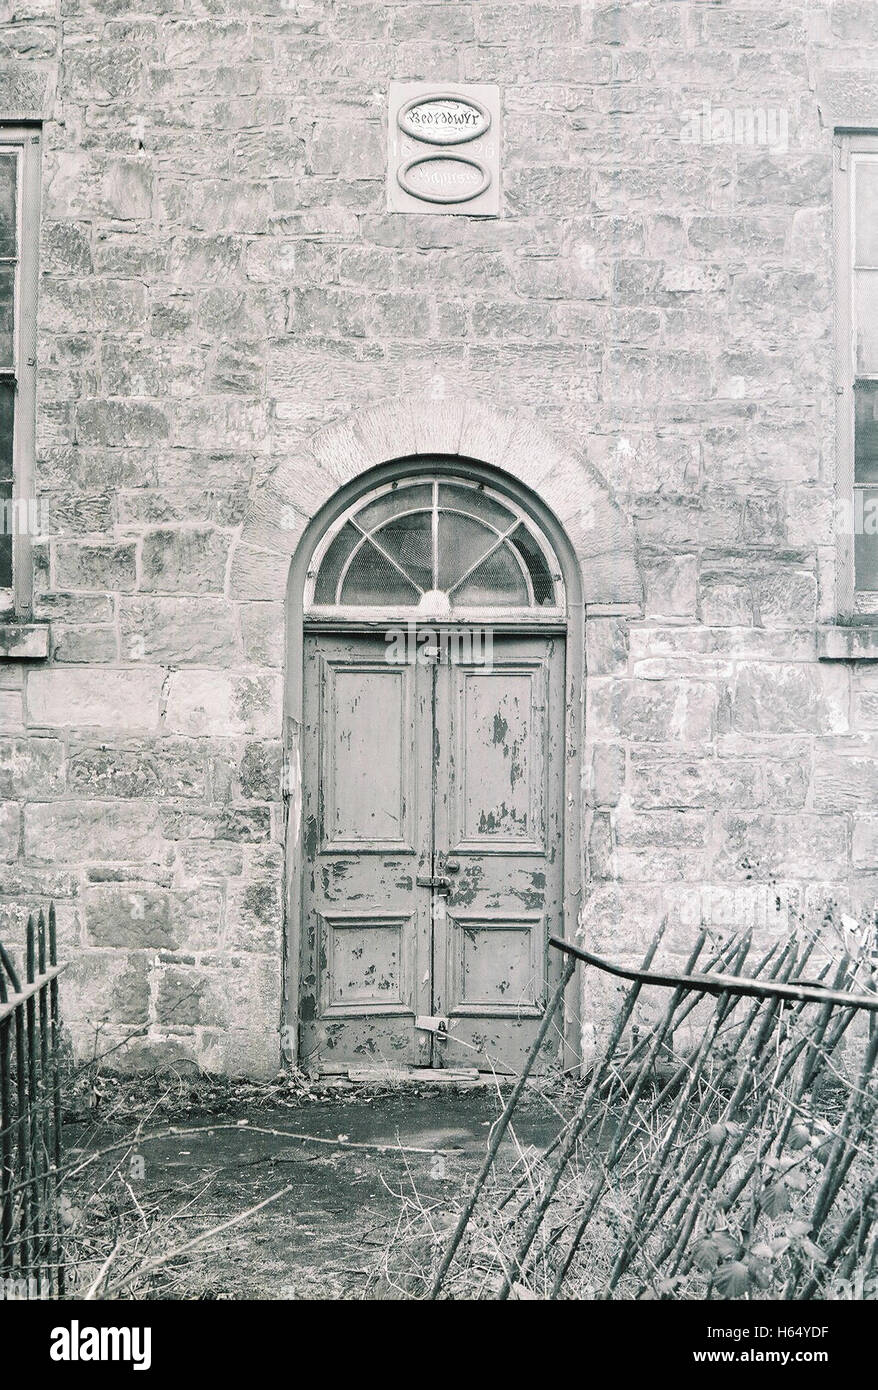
(26, 142)
(854, 606)
(341, 613)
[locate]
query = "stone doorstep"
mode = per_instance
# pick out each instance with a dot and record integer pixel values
(441, 1076)
(24, 641)
(468, 1078)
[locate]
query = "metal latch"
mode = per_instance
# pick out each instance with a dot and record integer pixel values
(432, 1023)
(438, 881)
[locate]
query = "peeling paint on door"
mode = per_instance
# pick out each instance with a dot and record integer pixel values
(433, 808)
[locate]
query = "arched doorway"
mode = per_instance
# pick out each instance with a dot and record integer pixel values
(433, 736)
(297, 506)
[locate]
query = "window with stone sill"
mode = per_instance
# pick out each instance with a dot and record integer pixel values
(856, 240)
(19, 250)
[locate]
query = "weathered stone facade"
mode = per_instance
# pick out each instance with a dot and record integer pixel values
(221, 285)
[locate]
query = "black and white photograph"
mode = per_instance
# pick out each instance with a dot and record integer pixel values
(438, 671)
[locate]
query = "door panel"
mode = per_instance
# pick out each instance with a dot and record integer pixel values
(366, 773)
(497, 791)
(432, 818)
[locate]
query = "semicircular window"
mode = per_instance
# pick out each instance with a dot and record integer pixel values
(438, 546)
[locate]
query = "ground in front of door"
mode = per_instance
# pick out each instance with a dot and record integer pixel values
(371, 1161)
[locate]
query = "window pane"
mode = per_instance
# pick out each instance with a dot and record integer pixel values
(409, 541)
(473, 501)
(535, 560)
(497, 580)
(372, 579)
(8, 204)
(7, 409)
(866, 432)
(5, 536)
(7, 316)
(866, 212)
(866, 537)
(402, 499)
(866, 319)
(462, 543)
(333, 563)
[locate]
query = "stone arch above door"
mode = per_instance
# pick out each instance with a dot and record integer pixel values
(601, 535)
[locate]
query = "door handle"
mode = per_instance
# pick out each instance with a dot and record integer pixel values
(452, 866)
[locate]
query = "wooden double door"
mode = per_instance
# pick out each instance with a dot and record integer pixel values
(433, 835)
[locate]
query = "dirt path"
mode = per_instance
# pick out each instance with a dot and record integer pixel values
(326, 1237)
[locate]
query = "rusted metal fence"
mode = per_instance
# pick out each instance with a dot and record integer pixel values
(30, 1117)
(725, 1148)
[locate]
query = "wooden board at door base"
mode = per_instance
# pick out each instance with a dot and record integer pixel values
(432, 822)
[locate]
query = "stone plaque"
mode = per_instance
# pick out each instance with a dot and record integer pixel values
(443, 148)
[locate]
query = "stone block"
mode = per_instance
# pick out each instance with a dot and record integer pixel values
(606, 774)
(263, 633)
(762, 846)
(77, 697)
(185, 560)
(698, 781)
(179, 631)
(670, 585)
(132, 916)
(669, 711)
(107, 987)
(180, 996)
(167, 767)
(31, 767)
(782, 698)
(88, 566)
(844, 781)
(84, 646)
(71, 832)
(204, 702)
(92, 304)
(256, 914)
(10, 829)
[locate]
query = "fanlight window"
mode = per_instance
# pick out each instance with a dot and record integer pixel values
(436, 546)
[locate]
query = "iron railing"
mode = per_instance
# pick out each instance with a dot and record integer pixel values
(31, 1263)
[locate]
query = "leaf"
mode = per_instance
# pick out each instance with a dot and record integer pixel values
(715, 1135)
(814, 1252)
(775, 1199)
(706, 1255)
(762, 1251)
(521, 1291)
(800, 1137)
(780, 1244)
(727, 1246)
(799, 1228)
(732, 1280)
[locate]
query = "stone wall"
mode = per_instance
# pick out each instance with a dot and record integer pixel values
(220, 280)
